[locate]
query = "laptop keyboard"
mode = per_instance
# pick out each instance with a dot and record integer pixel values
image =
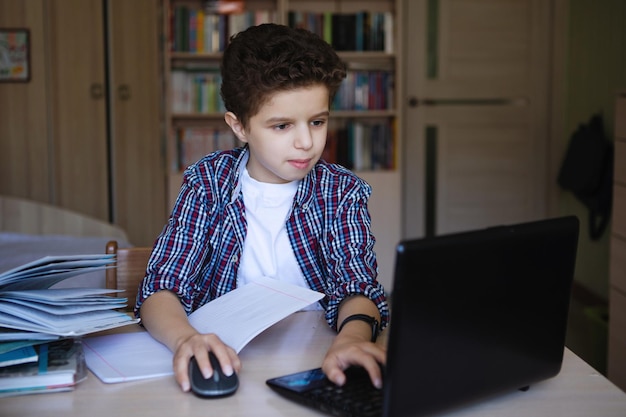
(357, 398)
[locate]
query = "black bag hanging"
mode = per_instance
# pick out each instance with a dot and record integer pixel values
(587, 171)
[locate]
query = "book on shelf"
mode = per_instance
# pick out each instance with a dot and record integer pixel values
(31, 309)
(359, 31)
(59, 366)
(196, 89)
(198, 141)
(207, 29)
(365, 90)
(361, 145)
(344, 32)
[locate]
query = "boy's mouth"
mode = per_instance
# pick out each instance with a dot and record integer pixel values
(299, 163)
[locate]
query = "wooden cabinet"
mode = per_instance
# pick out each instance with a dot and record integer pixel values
(617, 267)
(53, 127)
(85, 132)
(385, 203)
(78, 106)
(137, 150)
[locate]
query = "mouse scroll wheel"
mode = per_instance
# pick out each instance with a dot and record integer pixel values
(216, 376)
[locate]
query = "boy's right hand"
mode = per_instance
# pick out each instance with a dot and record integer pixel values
(164, 317)
(199, 345)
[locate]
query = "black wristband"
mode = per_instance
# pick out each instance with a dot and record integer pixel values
(363, 317)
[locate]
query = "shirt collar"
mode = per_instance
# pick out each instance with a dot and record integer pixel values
(240, 166)
(305, 191)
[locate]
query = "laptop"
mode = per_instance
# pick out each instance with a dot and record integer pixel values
(474, 315)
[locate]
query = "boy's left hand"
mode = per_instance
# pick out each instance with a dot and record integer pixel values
(348, 349)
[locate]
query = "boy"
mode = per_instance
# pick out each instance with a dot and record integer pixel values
(270, 208)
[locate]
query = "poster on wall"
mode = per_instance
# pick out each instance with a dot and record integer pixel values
(14, 55)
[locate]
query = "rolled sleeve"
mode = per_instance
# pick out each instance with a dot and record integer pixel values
(352, 257)
(178, 254)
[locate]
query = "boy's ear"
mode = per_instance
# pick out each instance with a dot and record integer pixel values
(236, 126)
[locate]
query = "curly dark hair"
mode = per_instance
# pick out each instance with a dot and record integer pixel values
(269, 58)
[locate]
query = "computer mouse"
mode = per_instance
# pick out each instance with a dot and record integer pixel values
(218, 385)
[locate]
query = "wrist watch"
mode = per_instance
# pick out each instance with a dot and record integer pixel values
(363, 317)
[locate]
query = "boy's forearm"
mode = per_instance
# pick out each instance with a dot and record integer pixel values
(357, 304)
(164, 317)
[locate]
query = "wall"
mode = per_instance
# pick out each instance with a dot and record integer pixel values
(596, 69)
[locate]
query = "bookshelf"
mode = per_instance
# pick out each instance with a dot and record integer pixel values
(364, 132)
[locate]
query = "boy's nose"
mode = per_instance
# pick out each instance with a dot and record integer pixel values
(304, 139)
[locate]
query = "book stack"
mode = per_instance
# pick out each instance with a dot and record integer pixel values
(41, 327)
(50, 366)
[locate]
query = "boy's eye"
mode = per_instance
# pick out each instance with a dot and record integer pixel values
(281, 126)
(318, 122)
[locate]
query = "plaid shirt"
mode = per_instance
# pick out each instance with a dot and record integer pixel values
(197, 254)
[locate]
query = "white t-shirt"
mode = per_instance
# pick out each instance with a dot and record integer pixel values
(267, 251)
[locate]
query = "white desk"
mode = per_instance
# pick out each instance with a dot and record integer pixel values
(295, 344)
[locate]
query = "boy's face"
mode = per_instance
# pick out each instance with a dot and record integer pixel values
(287, 136)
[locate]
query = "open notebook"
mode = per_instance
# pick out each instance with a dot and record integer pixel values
(474, 314)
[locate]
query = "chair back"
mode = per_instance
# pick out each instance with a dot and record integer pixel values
(127, 271)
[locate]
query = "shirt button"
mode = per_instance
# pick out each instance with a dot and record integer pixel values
(235, 258)
(305, 206)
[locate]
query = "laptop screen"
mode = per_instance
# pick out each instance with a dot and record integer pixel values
(478, 313)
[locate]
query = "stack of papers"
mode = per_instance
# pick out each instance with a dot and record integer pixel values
(39, 326)
(62, 312)
(47, 271)
(28, 304)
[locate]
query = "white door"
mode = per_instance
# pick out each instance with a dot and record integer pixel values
(476, 113)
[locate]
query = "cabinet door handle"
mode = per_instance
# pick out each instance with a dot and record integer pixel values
(417, 102)
(97, 91)
(123, 92)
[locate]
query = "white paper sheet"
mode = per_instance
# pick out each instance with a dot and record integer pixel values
(124, 357)
(62, 312)
(236, 317)
(48, 263)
